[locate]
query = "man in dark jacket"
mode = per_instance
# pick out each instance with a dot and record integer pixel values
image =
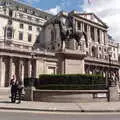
(13, 89)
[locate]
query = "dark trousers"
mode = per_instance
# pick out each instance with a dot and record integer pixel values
(13, 96)
(19, 95)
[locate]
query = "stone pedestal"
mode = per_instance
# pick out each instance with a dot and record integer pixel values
(113, 94)
(29, 93)
(71, 62)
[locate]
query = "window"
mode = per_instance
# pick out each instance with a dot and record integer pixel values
(21, 15)
(21, 26)
(38, 28)
(37, 20)
(29, 37)
(10, 22)
(100, 48)
(30, 27)
(20, 36)
(29, 18)
(9, 33)
(10, 13)
(52, 36)
(51, 70)
(106, 57)
(79, 25)
(105, 50)
(94, 51)
(92, 32)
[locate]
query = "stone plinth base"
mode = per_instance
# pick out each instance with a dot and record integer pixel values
(29, 93)
(71, 62)
(66, 96)
(113, 94)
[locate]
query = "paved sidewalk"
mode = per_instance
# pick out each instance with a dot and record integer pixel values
(63, 107)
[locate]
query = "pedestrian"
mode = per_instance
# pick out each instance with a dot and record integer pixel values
(19, 90)
(13, 89)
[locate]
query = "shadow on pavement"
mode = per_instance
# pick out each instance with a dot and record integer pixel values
(5, 102)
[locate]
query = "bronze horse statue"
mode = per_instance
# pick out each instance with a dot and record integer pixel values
(67, 31)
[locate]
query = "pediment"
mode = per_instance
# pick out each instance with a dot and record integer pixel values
(92, 17)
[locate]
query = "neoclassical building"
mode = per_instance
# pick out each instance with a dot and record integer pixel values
(20, 25)
(82, 42)
(33, 42)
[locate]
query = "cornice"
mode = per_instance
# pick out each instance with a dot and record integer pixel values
(20, 20)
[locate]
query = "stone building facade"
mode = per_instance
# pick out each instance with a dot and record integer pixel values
(33, 42)
(19, 29)
(93, 52)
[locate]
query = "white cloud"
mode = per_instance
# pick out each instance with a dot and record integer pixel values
(29, 1)
(109, 12)
(54, 11)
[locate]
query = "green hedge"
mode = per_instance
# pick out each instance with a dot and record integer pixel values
(29, 82)
(67, 82)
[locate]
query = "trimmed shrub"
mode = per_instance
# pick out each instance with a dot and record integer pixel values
(71, 82)
(29, 82)
(67, 82)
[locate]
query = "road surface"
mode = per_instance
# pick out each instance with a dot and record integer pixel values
(22, 115)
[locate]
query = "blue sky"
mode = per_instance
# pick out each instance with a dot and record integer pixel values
(109, 13)
(66, 5)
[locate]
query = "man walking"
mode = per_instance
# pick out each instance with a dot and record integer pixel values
(13, 89)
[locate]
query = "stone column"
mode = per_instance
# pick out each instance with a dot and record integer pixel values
(20, 69)
(34, 69)
(88, 33)
(82, 29)
(100, 36)
(105, 38)
(10, 67)
(95, 35)
(29, 68)
(0, 70)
